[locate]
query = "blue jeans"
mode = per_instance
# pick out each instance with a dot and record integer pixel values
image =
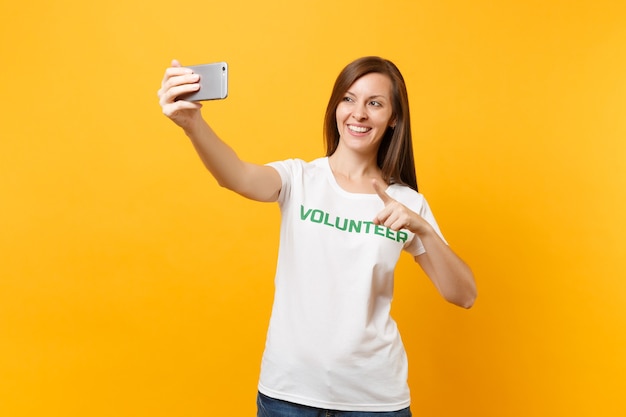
(271, 407)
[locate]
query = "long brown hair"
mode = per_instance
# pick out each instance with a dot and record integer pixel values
(395, 154)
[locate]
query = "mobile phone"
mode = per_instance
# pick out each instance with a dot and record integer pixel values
(213, 82)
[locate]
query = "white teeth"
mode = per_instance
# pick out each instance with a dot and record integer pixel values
(358, 129)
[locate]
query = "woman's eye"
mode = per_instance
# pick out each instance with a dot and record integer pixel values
(347, 99)
(375, 103)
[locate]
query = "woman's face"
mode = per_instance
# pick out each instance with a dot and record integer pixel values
(365, 113)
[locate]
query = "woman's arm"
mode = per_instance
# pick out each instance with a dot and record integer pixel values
(452, 277)
(257, 182)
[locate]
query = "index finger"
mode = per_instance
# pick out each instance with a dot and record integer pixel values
(174, 70)
(380, 190)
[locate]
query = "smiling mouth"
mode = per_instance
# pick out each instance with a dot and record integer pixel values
(359, 129)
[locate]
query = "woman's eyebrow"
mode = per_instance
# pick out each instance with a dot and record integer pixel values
(370, 97)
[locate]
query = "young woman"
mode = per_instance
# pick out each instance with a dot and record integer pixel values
(332, 348)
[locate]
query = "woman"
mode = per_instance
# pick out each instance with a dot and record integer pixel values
(332, 347)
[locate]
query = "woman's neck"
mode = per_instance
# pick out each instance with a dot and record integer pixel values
(354, 174)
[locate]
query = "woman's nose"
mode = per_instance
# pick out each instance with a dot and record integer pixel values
(359, 113)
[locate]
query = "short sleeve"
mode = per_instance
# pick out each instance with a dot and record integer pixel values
(421, 207)
(288, 170)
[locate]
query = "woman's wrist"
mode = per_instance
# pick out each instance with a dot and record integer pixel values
(195, 126)
(420, 227)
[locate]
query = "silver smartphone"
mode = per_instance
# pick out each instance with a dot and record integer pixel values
(213, 82)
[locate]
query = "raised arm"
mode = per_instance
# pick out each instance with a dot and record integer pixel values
(254, 181)
(452, 277)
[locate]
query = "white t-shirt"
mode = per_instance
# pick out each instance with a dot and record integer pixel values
(331, 342)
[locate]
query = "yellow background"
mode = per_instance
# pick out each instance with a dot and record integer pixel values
(132, 285)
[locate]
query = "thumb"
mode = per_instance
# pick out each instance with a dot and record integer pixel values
(380, 190)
